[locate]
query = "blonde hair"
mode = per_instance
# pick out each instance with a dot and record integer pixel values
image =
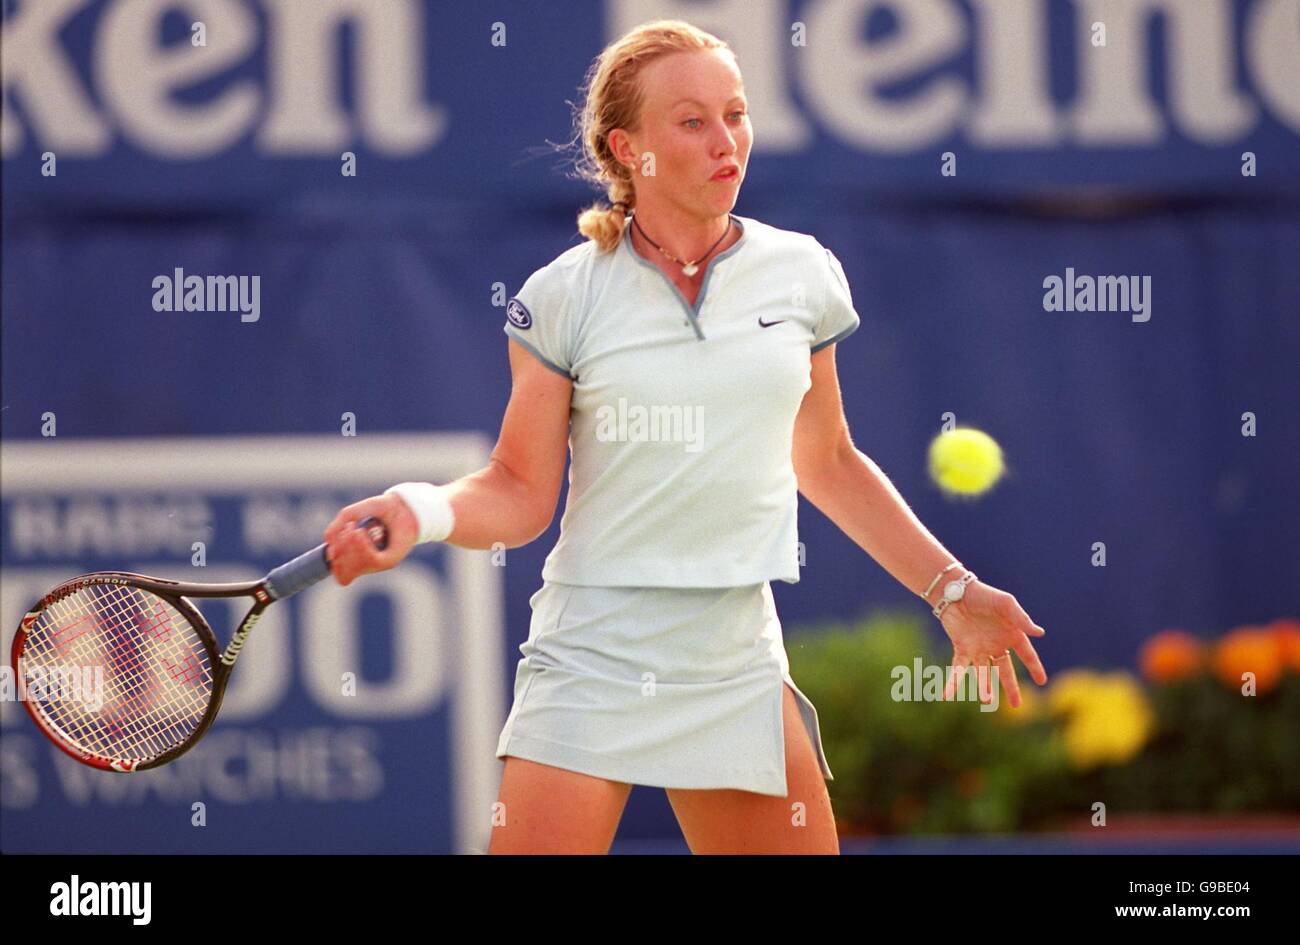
(613, 98)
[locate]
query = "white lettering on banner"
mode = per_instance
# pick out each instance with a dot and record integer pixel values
(230, 765)
(841, 76)
(1274, 37)
(1016, 107)
(105, 526)
(243, 766)
(278, 525)
(1115, 103)
(137, 78)
(331, 644)
(37, 72)
(305, 115)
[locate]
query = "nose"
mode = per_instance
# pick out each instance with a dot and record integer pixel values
(727, 146)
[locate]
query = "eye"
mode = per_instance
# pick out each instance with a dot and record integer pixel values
(737, 115)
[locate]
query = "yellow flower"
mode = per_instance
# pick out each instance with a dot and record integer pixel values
(1070, 689)
(1107, 718)
(1031, 706)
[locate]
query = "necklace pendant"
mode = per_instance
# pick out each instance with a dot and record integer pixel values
(690, 269)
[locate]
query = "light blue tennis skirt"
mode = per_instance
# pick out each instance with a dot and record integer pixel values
(660, 686)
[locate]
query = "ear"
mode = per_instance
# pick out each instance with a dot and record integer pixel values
(621, 147)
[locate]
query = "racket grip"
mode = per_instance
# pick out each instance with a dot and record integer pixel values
(302, 572)
(313, 566)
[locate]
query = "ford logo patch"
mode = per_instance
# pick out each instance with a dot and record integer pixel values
(518, 314)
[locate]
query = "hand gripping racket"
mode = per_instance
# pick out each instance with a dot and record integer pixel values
(163, 675)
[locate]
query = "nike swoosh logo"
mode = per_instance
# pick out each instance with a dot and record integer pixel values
(769, 324)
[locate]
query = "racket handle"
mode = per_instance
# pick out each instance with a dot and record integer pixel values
(313, 566)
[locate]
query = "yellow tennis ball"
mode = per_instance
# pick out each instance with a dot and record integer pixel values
(964, 461)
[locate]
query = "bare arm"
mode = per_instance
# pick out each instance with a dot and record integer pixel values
(852, 491)
(855, 494)
(511, 500)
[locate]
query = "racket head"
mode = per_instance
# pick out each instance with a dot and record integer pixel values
(144, 668)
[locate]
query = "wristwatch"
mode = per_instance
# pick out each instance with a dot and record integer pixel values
(953, 591)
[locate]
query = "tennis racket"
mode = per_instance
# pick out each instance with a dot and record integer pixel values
(163, 676)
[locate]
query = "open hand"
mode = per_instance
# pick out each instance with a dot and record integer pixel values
(986, 623)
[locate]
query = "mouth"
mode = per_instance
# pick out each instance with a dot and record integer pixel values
(729, 173)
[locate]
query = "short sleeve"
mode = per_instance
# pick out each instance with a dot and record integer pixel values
(837, 318)
(538, 318)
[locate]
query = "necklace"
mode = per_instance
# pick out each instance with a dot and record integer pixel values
(688, 268)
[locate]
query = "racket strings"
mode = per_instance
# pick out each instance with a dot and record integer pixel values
(76, 642)
(119, 631)
(157, 680)
(140, 709)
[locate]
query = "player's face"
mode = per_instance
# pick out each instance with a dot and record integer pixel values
(694, 121)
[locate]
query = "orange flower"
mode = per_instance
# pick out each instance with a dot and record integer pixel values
(1249, 649)
(1286, 631)
(1170, 655)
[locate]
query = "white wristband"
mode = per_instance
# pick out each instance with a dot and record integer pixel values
(431, 507)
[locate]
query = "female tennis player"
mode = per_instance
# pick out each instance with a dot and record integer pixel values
(686, 357)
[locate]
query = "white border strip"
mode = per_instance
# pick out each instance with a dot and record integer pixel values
(205, 462)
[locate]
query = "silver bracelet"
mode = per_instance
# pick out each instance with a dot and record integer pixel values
(945, 602)
(926, 596)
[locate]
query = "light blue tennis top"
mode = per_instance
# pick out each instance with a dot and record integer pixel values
(682, 418)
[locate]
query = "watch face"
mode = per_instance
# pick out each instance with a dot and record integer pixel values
(954, 591)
